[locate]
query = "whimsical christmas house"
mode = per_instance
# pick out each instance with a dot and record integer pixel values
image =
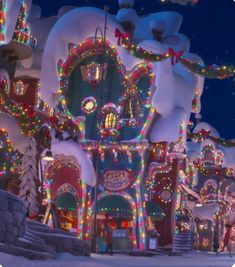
(123, 107)
(112, 102)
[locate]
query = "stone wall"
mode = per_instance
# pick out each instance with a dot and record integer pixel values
(12, 217)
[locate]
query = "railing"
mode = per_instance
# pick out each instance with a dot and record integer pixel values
(24, 38)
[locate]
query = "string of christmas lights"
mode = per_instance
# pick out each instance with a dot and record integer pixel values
(209, 71)
(206, 134)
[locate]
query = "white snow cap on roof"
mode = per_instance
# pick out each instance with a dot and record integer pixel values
(127, 14)
(64, 9)
(18, 140)
(156, 24)
(35, 12)
(11, 15)
(126, 2)
(172, 21)
(206, 211)
(70, 148)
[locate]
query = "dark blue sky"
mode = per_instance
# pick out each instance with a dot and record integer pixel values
(211, 28)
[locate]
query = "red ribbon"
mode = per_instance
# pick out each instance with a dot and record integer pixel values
(205, 133)
(121, 36)
(175, 56)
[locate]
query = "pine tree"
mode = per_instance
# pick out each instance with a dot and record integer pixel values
(28, 191)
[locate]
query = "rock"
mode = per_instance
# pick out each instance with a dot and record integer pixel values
(8, 217)
(9, 238)
(2, 236)
(2, 225)
(4, 205)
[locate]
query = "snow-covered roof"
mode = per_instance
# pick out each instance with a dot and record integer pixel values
(18, 140)
(70, 148)
(172, 22)
(11, 16)
(194, 149)
(127, 14)
(206, 211)
(175, 84)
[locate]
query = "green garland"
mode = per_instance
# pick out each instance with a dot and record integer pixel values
(205, 134)
(208, 71)
(28, 120)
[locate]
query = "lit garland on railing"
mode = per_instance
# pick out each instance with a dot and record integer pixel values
(213, 170)
(88, 211)
(28, 120)
(206, 134)
(9, 159)
(209, 71)
(2, 20)
(139, 203)
(81, 212)
(22, 31)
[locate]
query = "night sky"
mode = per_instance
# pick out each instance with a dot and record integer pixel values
(211, 28)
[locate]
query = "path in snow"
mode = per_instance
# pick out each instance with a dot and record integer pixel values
(66, 260)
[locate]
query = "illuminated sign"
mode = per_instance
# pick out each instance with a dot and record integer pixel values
(117, 180)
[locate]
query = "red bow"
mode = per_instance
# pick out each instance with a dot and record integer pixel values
(175, 56)
(121, 36)
(205, 133)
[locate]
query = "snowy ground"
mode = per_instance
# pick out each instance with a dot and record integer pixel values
(67, 260)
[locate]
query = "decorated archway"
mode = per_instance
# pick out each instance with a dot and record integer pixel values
(66, 189)
(67, 203)
(129, 209)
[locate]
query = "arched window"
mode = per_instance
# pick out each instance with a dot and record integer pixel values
(110, 120)
(20, 88)
(132, 107)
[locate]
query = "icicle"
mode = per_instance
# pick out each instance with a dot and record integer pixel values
(129, 154)
(115, 156)
(102, 155)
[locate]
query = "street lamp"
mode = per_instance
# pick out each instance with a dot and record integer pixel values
(103, 36)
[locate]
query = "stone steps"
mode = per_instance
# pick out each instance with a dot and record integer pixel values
(27, 253)
(39, 227)
(64, 243)
(182, 243)
(34, 244)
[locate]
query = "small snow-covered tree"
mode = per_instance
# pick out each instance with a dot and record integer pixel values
(28, 191)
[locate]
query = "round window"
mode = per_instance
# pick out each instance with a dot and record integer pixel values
(89, 105)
